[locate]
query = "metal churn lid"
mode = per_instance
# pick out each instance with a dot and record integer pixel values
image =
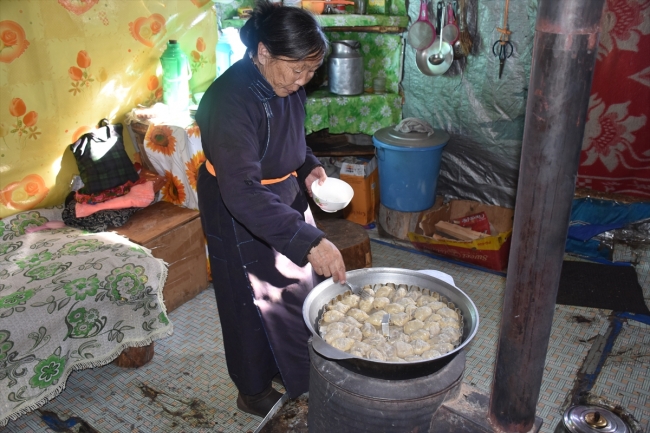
(589, 419)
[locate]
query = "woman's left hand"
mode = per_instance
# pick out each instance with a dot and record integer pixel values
(317, 173)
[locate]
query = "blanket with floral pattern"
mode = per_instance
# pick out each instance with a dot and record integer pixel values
(69, 300)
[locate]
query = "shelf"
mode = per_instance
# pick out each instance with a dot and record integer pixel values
(350, 22)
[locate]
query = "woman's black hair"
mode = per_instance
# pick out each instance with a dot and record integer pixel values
(285, 31)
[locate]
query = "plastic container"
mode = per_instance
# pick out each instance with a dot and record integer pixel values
(224, 54)
(176, 77)
(409, 164)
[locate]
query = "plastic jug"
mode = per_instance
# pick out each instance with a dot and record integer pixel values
(224, 54)
(176, 77)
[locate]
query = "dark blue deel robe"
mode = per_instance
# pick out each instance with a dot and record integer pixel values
(258, 235)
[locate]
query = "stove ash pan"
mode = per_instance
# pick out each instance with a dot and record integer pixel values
(343, 401)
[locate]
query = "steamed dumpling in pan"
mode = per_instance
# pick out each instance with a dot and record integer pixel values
(403, 349)
(434, 318)
(422, 313)
(405, 301)
(425, 300)
(380, 302)
(343, 343)
(399, 293)
(436, 305)
(421, 334)
(448, 312)
(339, 306)
(419, 346)
(430, 354)
(355, 334)
(414, 295)
(376, 355)
(443, 347)
(448, 322)
(365, 304)
(333, 335)
(384, 291)
(333, 316)
(433, 328)
(394, 308)
(398, 335)
(398, 319)
(362, 347)
(367, 330)
(376, 318)
(351, 300)
(360, 316)
(352, 322)
(374, 339)
(341, 326)
(412, 326)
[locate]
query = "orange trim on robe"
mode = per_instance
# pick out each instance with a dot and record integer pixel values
(210, 168)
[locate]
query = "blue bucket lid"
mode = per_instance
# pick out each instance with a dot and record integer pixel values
(389, 135)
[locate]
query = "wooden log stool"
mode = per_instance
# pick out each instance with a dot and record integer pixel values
(351, 239)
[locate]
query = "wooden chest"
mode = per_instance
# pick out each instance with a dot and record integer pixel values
(173, 234)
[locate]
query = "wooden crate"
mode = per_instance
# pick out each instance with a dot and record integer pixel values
(173, 234)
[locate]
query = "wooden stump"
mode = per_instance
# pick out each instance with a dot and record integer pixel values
(398, 224)
(352, 241)
(135, 357)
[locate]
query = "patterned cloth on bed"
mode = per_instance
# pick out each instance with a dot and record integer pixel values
(69, 300)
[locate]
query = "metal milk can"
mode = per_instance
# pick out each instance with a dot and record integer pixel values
(345, 68)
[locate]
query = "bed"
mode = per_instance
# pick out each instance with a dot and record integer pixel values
(69, 300)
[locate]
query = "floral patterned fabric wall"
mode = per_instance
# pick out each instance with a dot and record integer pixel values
(66, 64)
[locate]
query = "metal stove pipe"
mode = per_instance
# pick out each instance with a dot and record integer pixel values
(564, 56)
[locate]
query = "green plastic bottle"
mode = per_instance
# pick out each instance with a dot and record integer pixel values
(176, 77)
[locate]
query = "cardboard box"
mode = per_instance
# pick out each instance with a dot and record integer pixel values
(490, 252)
(363, 177)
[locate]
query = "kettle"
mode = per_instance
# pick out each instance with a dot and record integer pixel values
(345, 68)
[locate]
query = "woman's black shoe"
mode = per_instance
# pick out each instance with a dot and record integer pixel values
(258, 404)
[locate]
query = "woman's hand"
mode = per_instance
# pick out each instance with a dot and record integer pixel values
(316, 173)
(327, 261)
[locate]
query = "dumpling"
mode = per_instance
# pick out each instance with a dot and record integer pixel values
(361, 347)
(359, 315)
(421, 334)
(341, 326)
(365, 304)
(333, 316)
(355, 334)
(405, 301)
(454, 334)
(351, 300)
(376, 318)
(421, 313)
(436, 305)
(374, 339)
(384, 291)
(410, 310)
(443, 338)
(398, 335)
(333, 335)
(395, 359)
(394, 308)
(380, 302)
(420, 346)
(425, 300)
(414, 295)
(434, 318)
(339, 306)
(448, 312)
(430, 354)
(376, 355)
(433, 328)
(448, 322)
(399, 319)
(387, 348)
(412, 326)
(399, 293)
(367, 330)
(343, 343)
(352, 322)
(403, 349)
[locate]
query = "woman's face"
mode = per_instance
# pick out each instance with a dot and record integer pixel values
(286, 75)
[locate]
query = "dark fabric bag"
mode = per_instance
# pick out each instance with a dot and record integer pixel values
(102, 161)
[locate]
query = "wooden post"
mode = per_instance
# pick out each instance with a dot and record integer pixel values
(564, 56)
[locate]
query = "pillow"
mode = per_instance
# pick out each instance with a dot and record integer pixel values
(102, 161)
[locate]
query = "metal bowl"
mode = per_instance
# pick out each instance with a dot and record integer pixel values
(323, 293)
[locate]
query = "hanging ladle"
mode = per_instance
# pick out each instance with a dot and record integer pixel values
(439, 57)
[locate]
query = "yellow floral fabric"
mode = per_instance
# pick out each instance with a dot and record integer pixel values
(66, 64)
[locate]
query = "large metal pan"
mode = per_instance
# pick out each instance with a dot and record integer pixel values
(327, 290)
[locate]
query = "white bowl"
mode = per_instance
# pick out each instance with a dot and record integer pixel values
(333, 195)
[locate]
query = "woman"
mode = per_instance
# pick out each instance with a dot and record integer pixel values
(262, 240)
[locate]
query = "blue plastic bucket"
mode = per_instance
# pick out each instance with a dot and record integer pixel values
(409, 165)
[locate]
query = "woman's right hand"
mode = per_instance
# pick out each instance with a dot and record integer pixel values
(327, 261)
